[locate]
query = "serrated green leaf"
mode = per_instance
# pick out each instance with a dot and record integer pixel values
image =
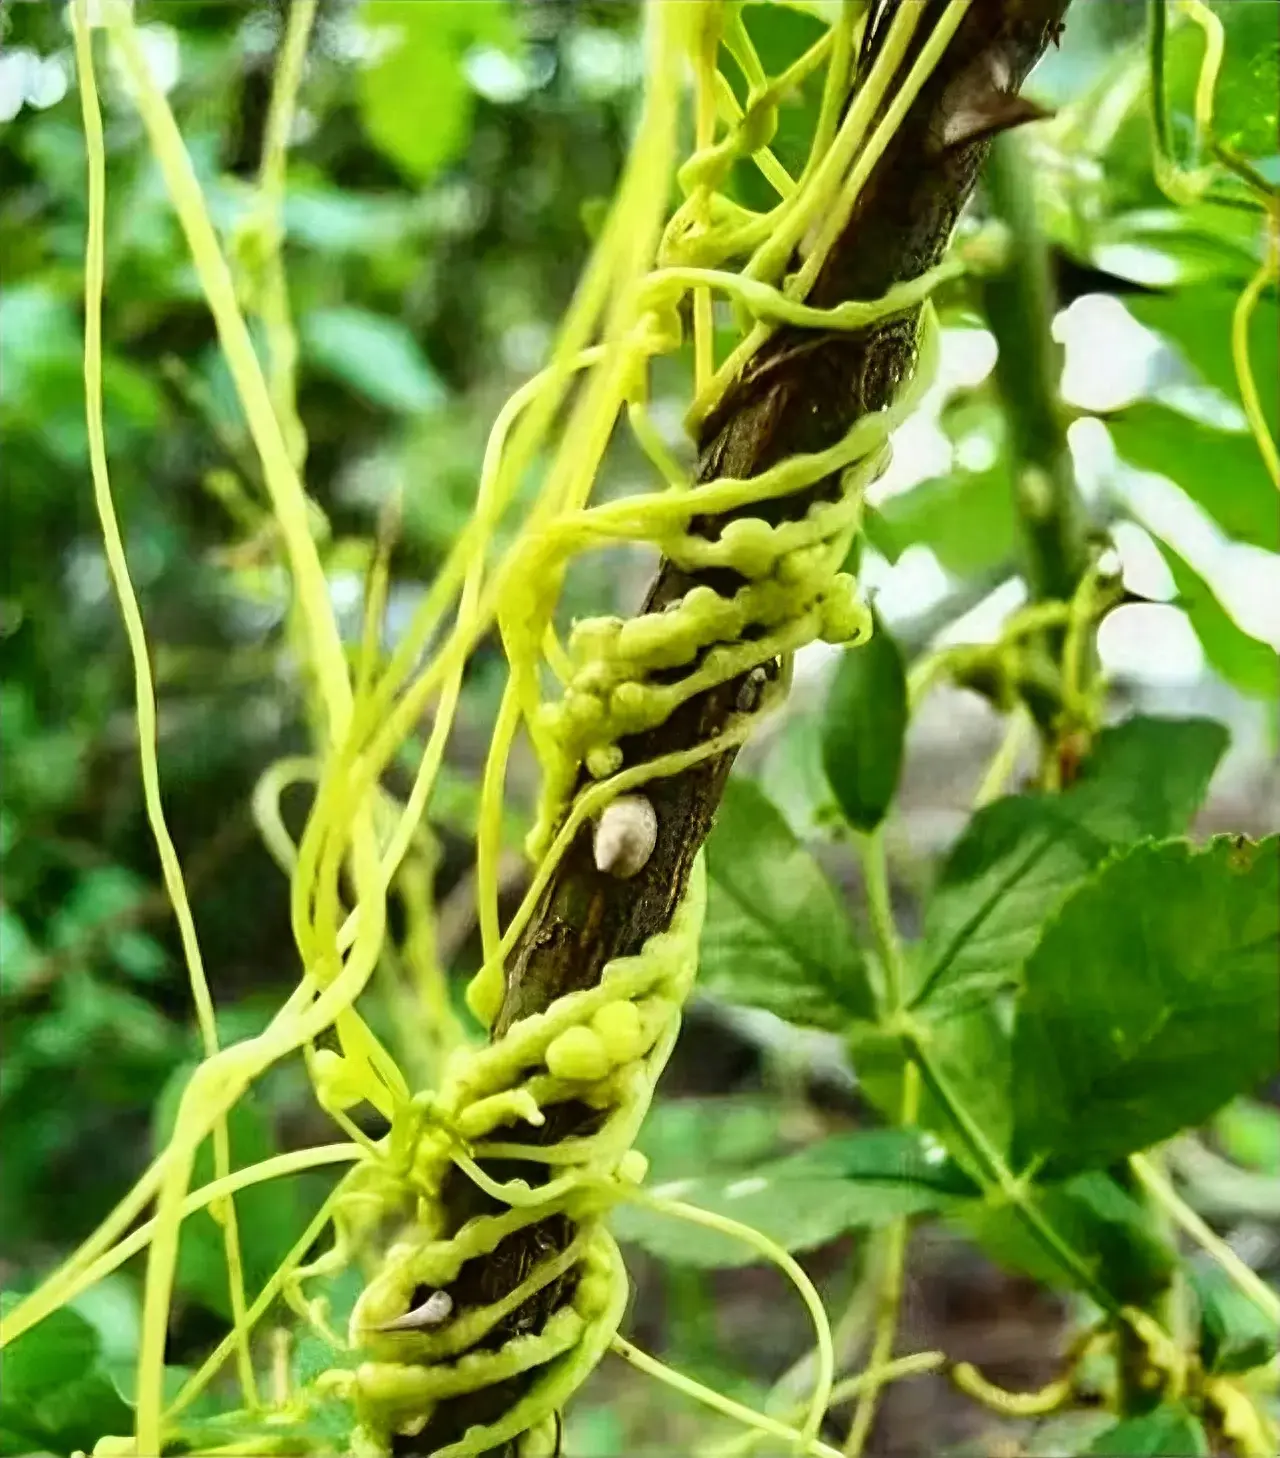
(1235, 1336)
(1168, 1432)
(1148, 1003)
(1106, 1226)
(776, 935)
(864, 728)
(1146, 777)
(374, 355)
(1243, 661)
(845, 1182)
(1020, 856)
(1220, 470)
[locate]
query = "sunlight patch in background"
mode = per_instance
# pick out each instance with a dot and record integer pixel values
(1110, 361)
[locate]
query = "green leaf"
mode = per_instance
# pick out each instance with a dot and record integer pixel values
(1146, 777)
(792, 777)
(864, 728)
(1245, 104)
(1198, 322)
(374, 355)
(52, 1354)
(414, 98)
(1235, 1336)
(1149, 1002)
(1109, 1229)
(1220, 470)
(1020, 856)
(776, 935)
(1168, 1432)
(971, 1051)
(803, 1200)
(965, 518)
(683, 1137)
(1242, 660)
(18, 953)
(1249, 1134)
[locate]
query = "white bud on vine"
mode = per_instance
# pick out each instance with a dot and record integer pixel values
(435, 1310)
(625, 836)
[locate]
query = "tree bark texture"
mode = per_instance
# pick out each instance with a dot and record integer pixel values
(801, 393)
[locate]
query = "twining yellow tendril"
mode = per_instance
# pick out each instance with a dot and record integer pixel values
(603, 1048)
(144, 686)
(1188, 186)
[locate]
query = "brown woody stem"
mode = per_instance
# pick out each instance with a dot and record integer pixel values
(801, 393)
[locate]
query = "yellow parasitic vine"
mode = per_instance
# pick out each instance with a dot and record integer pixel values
(604, 1047)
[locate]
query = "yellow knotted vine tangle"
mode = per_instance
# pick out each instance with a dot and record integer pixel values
(410, 1346)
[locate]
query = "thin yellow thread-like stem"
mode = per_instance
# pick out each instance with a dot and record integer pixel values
(208, 1370)
(704, 135)
(282, 342)
(1010, 1404)
(1268, 273)
(918, 1364)
(220, 1081)
(285, 489)
(135, 632)
(772, 1252)
(52, 1291)
(1246, 1280)
(709, 1397)
(1207, 80)
(362, 734)
(277, 1167)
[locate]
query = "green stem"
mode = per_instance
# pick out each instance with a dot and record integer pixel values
(889, 1296)
(1020, 306)
(993, 1167)
(1159, 115)
(893, 1246)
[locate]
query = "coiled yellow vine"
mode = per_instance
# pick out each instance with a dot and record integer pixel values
(604, 1047)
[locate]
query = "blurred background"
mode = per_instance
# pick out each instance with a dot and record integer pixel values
(441, 198)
